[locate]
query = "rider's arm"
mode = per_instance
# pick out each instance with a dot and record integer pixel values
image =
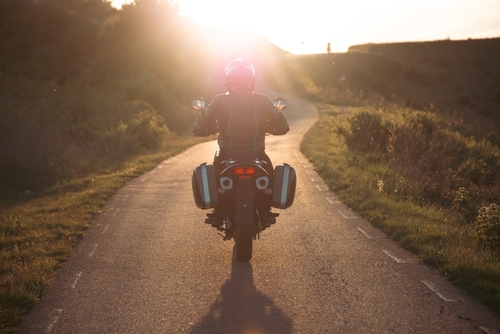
(206, 122)
(278, 124)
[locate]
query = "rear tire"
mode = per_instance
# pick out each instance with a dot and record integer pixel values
(243, 237)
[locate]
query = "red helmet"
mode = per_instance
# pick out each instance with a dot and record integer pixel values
(239, 72)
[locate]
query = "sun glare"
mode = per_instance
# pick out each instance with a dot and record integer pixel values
(308, 26)
(297, 27)
(226, 14)
(119, 3)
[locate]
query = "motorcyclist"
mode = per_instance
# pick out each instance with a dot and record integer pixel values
(242, 117)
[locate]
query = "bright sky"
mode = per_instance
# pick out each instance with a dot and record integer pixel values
(307, 26)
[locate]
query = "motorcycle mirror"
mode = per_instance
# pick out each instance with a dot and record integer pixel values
(198, 103)
(279, 103)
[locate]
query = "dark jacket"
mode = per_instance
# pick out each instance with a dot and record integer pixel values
(243, 118)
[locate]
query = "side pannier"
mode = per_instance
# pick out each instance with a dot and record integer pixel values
(285, 181)
(204, 186)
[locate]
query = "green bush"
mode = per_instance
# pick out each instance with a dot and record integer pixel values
(463, 204)
(427, 152)
(117, 142)
(367, 133)
(487, 225)
(147, 126)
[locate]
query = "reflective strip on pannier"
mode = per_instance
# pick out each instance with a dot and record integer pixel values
(285, 181)
(204, 186)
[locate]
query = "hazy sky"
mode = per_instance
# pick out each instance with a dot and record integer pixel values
(307, 26)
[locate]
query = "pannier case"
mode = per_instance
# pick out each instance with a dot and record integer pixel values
(285, 181)
(204, 186)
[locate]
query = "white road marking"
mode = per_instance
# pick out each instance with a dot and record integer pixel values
(78, 275)
(144, 179)
(105, 229)
(308, 171)
(437, 292)
(398, 260)
(487, 330)
(93, 251)
(366, 234)
(322, 187)
(349, 215)
(332, 200)
(53, 319)
(117, 210)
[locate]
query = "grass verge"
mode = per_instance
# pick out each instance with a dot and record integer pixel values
(38, 233)
(437, 235)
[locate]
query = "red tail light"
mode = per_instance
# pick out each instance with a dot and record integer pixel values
(244, 170)
(250, 170)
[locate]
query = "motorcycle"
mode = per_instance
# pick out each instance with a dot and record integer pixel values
(243, 191)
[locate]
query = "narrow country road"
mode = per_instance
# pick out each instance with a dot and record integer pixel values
(148, 264)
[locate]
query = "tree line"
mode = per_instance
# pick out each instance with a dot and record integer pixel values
(82, 82)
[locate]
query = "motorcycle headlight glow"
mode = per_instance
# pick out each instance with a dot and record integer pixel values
(226, 183)
(262, 182)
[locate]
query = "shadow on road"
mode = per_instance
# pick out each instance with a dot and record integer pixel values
(241, 308)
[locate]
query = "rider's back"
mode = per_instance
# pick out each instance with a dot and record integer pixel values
(243, 118)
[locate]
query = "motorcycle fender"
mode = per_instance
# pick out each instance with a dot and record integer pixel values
(244, 205)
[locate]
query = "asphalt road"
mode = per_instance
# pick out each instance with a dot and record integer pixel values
(148, 264)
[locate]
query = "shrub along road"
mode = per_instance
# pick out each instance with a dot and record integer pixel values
(148, 264)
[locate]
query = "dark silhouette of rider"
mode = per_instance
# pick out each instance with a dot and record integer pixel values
(242, 117)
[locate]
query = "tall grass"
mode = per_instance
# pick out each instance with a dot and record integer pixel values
(429, 151)
(398, 199)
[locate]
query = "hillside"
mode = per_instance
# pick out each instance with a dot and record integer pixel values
(449, 74)
(446, 76)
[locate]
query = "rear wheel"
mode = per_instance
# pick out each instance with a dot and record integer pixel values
(243, 237)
